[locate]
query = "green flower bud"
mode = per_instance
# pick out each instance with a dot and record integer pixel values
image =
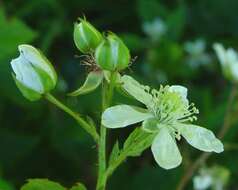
(112, 54)
(33, 73)
(86, 36)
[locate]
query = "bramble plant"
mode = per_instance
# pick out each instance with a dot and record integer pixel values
(166, 117)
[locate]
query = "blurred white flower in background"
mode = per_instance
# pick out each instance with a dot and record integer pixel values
(215, 178)
(196, 51)
(155, 29)
(228, 60)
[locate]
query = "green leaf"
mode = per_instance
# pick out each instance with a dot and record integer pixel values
(148, 10)
(165, 150)
(4, 185)
(115, 153)
(79, 186)
(201, 138)
(123, 115)
(176, 22)
(137, 142)
(13, 32)
(42, 184)
(93, 80)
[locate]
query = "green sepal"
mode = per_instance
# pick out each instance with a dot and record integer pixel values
(42, 184)
(86, 36)
(107, 76)
(93, 80)
(114, 154)
(112, 54)
(46, 80)
(28, 93)
(137, 142)
(150, 125)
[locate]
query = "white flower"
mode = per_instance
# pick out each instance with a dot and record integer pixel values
(155, 29)
(202, 182)
(197, 47)
(167, 115)
(215, 177)
(33, 73)
(229, 61)
(196, 53)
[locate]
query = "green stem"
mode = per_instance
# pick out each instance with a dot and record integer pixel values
(122, 157)
(107, 94)
(89, 128)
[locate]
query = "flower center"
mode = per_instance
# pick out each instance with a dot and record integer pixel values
(170, 107)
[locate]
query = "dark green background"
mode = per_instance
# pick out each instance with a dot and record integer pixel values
(39, 141)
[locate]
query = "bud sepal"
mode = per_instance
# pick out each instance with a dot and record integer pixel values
(112, 54)
(86, 36)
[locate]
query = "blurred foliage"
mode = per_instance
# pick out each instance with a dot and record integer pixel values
(39, 141)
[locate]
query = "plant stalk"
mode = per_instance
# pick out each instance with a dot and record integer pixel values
(86, 126)
(107, 94)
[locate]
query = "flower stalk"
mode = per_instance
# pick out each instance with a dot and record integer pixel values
(107, 94)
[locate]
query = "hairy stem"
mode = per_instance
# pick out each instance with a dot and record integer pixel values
(85, 125)
(107, 94)
(204, 156)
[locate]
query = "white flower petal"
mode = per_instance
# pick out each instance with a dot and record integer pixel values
(201, 138)
(136, 90)
(37, 59)
(221, 53)
(124, 115)
(165, 150)
(202, 182)
(26, 74)
(229, 61)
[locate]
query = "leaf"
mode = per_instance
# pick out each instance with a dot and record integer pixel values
(4, 185)
(12, 33)
(123, 115)
(115, 153)
(201, 138)
(93, 80)
(42, 184)
(176, 22)
(137, 142)
(79, 186)
(148, 10)
(165, 150)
